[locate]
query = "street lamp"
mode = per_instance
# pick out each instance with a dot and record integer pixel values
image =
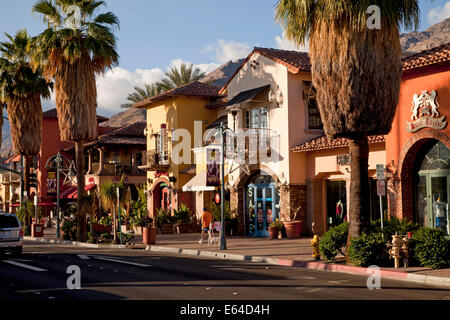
(57, 161)
(222, 131)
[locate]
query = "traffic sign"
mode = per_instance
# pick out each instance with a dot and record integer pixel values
(381, 188)
(380, 172)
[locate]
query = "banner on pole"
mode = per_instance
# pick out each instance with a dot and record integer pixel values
(51, 183)
(213, 167)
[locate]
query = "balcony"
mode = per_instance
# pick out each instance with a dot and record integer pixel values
(259, 145)
(157, 161)
(116, 169)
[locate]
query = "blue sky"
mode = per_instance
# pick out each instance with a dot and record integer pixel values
(156, 34)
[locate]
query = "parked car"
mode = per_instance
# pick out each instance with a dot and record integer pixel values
(11, 234)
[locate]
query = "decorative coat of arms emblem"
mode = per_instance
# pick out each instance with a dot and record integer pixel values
(425, 112)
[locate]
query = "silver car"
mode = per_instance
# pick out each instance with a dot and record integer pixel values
(11, 234)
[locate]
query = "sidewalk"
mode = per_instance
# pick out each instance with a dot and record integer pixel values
(284, 252)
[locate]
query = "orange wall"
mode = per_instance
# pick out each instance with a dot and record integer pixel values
(415, 81)
(51, 145)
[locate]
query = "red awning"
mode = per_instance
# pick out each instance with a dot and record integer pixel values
(68, 191)
(74, 195)
(44, 204)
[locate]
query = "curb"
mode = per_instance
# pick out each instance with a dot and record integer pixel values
(321, 266)
(75, 243)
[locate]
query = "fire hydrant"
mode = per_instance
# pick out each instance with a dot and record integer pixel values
(315, 247)
(396, 251)
(405, 251)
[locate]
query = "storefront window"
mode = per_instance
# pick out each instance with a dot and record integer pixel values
(336, 203)
(433, 186)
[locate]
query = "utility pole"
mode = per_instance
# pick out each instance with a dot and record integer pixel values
(223, 241)
(118, 213)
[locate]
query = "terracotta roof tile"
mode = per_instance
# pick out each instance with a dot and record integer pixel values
(427, 57)
(132, 134)
(295, 61)
(323, 143)
(193, 89)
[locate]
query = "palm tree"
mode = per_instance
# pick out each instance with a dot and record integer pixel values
(177, 77)
(108, 196)
(357, 73)
(22, 88)
(141, 94)
(77, 45)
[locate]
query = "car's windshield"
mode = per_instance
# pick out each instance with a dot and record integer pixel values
(8, 222)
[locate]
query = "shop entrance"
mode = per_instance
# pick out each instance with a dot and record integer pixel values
(433, 187)
(262, 205)
(336, 202)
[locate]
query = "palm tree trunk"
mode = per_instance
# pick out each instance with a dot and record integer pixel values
(26, 176)
(81, 213)
(359, 187)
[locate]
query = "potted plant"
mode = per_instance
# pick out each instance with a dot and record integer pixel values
(182, 218)
(165, 221)
(275, 228)
(294, 228)
(148, 230)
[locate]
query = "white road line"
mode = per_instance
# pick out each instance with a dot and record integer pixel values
(83, 257)
(124, 262)
(22, 260)
(18, 264)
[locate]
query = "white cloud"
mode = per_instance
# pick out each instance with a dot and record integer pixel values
(225, 51)
(438, 14)
(114, 86)
(285, 44)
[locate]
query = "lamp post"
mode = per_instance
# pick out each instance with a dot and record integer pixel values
(222, 131)
(57, 160)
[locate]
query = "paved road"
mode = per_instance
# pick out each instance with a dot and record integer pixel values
(110, 274)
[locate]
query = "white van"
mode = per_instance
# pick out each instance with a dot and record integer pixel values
(11, 234)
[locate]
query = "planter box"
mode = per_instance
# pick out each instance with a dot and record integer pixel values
(184, 228)
(100, 228)
(167, 228)
(274, 232)
(294, 229)
(149, 235)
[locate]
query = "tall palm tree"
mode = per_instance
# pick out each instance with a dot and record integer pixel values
(357, 73)
(176, 77)
(22, 88)
(141, 94)
(77, 45)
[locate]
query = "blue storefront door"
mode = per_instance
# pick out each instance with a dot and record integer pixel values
(261, 209)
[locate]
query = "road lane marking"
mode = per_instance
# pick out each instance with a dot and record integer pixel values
(22, 260)
(83, 257)
(124, 262)
(313, 290)
(18, 264)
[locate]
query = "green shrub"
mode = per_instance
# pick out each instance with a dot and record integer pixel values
(368, 249)
(334, 242)
(69, 228)
(431, 248)
(401, 226)
(27, 231)
(277, 224)
(182, 215)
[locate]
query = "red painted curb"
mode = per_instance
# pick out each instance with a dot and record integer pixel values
(339, 268)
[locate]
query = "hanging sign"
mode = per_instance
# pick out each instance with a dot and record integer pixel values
(213, 167)
(51, 183)
(425, 113)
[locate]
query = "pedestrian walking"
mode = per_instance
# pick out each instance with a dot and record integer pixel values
(206, 225)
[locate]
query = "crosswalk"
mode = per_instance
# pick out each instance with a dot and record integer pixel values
(27, 264)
